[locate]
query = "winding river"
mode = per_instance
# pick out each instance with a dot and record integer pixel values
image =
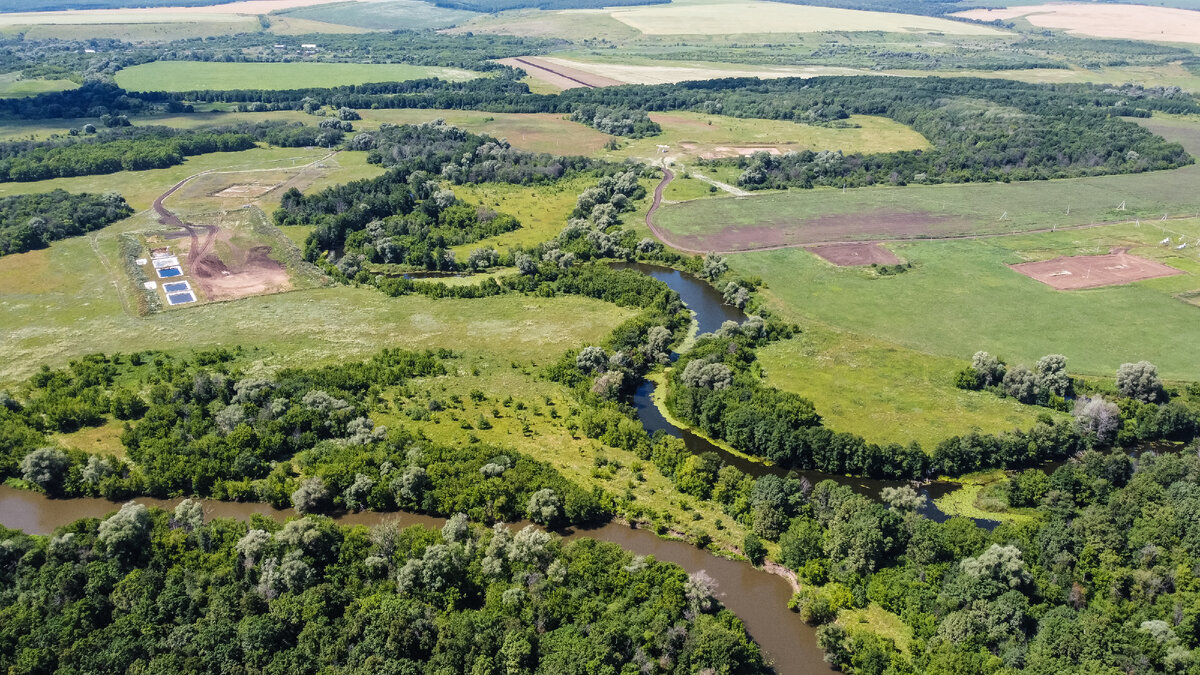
(758, 597)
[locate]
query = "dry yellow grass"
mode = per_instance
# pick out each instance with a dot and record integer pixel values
(770, 17)
(1134, 22)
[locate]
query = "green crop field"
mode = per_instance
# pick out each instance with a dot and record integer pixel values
(190, 75)
(961, 297)
(128, 28)
(11, 86)
(387, 15)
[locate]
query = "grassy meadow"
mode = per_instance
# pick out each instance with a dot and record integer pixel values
(961, 297)
(13, 86)
(534, 132)
(191, 75)
(386, 15)
(695, 135)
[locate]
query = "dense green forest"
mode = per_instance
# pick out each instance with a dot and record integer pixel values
(32, 221)
(980, 130)
(156, 591)
(129, 148)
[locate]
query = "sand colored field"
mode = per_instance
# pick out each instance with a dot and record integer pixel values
(666, 74)
(226, 12)
(1134, 22)
(770, 17)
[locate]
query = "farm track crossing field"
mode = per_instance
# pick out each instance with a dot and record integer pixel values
(191, 75)
(692, 18)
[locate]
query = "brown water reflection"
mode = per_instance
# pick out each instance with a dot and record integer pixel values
(759, 598)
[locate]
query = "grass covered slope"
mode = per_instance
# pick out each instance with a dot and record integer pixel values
(190, 75)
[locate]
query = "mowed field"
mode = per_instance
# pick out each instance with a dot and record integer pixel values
(724, 18)
(695, 135)
(386, 15)
(616, 70)
(1132, 22)
(801, 217)
(12, 86)
(193, 75)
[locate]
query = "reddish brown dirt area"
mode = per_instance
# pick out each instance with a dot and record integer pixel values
(833, 228)
(249, 271)
(1094, 271)
(850, 255)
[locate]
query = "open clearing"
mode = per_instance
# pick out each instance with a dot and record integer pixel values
(386, 15)
(855, 255)
(535, 132)
(1133, 22)
(690, 135)
(690, 18)
(194, 75)
(1094, 271)
(12, 86)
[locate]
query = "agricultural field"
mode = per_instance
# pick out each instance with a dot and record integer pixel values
(140, 188)
(1135, 22)
(12, 85)
(725, 18)
(188, 75)
(610, 72)
(133, 30)
(384, 15)
(691, 136)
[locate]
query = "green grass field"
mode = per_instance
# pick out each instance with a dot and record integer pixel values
(189, 75)
(128, 28)
(792, 217)
(71, 299)
(961, 297)
(535, 132)
(387, 15)
(11, 86)
(695, 135)
(882, 392)
(140, 188)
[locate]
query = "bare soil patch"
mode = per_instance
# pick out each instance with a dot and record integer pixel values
(832, 228)
(1135, 22)
(1094, 271)
(852, 255)
(250, 190)
(723, 151)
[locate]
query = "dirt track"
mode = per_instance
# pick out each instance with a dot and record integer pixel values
(662, 235)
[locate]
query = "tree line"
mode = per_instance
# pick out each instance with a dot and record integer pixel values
(33, 221)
